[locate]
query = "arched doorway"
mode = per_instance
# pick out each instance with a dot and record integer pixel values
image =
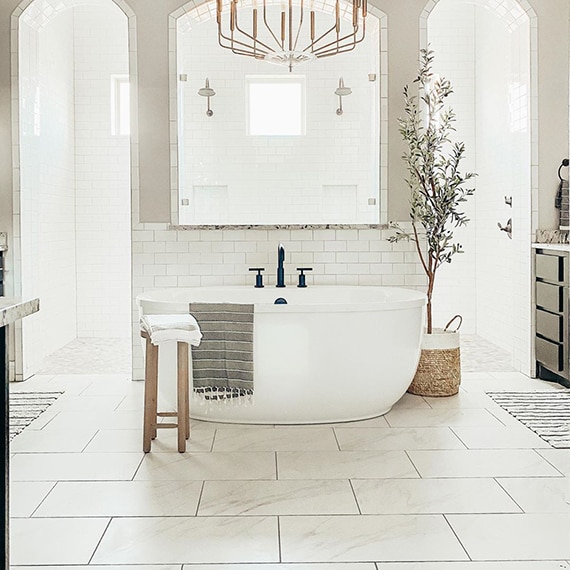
(486, 51)
(72, 196)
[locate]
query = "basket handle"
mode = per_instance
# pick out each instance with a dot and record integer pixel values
(458, 326)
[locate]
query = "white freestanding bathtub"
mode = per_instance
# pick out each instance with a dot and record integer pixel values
(331, 354)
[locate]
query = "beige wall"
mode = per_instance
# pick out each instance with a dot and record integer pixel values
(403, 23)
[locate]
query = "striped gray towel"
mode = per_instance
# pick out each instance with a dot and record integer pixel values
(222, 366)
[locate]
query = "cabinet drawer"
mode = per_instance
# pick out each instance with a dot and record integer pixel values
(549, 354)
(550, 325)
(550, 297)
(550, 267)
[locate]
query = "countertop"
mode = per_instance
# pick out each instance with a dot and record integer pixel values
(554, 246)
(15, 308)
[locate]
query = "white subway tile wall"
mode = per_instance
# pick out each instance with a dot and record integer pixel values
(102, 179)
(193, 258)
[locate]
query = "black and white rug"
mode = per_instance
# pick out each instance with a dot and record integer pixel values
(25, 407)
(545, 413)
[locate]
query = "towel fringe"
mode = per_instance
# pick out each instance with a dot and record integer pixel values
(223, 395)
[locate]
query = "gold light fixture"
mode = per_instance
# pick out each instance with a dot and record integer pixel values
(290, 32)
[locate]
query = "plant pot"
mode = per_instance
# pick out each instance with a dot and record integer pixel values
(439, 369)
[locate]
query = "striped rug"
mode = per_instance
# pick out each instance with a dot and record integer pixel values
(545, 413)
(25, 407)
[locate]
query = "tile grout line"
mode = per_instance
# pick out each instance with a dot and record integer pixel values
(496, 479)
(99, 541)
(456, 536)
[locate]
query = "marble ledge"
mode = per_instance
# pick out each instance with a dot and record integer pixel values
(552, 246)
(15, 308)
(279, 227)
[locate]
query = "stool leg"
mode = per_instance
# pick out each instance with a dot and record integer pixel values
(183, 412)
(150, 395)
(188, 407)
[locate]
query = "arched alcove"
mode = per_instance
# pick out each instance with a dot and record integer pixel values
(72, 178)
(488, 50)
(252, 175)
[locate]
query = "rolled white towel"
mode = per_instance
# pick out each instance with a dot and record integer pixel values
(181, 328)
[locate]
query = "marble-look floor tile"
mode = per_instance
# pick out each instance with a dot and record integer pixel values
(378, 421)
(432, 496)
(58, 542)
(560, 458)
(410, 401)
(275, 439)
(25, 496)
(78, 403)
(515, 436)
(284, 566)
(74, 466)
(539, 494)
(106, 567)
(130, 440)
(344, 465)
(502, 565)
(462, 400)
(207, 466)
(441, 418)
(513, 537)
(111, 384)
(315, 497)
(122, 499)
(52, 440)
(365, 538)
(51, 383)
(170, 540)
(67, 420)
(482, 463)
(397, 439)
(509, 382)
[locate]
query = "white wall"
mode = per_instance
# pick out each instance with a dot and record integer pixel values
(102, 179)
(47, 186)
(326, 175)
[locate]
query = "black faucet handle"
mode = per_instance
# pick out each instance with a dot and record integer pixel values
(302, 280)
(259, 276)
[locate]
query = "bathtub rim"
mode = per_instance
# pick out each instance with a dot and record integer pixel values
(412, 298)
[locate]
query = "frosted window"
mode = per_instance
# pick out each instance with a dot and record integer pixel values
(275, 105)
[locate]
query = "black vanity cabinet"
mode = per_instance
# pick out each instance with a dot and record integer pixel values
(551, 314)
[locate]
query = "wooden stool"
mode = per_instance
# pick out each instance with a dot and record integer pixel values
(151, 413)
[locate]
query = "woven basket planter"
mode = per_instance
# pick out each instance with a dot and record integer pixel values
(439, 369)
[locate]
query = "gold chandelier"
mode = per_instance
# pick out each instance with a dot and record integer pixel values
(276, 32)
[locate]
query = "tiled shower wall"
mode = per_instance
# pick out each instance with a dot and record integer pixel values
(102, 180)
(451, 34)
(187, 258)
(328, 175)
(47, 208)
(73, 202)
(484, 49)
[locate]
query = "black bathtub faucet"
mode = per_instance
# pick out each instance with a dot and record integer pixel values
(280, 270)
